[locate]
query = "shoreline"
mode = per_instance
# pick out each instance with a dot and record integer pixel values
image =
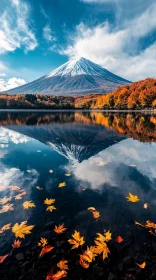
(81, 110)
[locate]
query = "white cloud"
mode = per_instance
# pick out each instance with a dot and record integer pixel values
(98, 1)
(118, 157)
(8, 136)
(117, 49)
(47, 33)
(15, 28)
(2, 74)
(6, 84)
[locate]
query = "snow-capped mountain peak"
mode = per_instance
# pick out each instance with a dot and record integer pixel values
(76, 67)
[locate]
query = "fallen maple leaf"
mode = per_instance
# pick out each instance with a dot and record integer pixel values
(61, 185)
(77, 240)
(142, 265)
(28, 204)
(48, 201)
(18, 196)
(58, 275)
(14, 188)
(50, 171)
(96, 214)
(43, 242)
(46, 249)
(132, 198)
(63, 265)
(91, 209)
(39, 188)
(2, 258)
(51, 208)
(119, 239)
(16, 244)
(67, 175)
(20, 230)
(5, 199)
(6, 208)
(87, 257)
(60, 229)
(145, 205)
(6, 227)
(101, 244)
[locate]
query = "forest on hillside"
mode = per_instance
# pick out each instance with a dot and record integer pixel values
(139, 95)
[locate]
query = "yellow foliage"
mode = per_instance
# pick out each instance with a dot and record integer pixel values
(20, 230)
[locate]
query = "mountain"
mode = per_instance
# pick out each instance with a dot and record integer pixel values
(76, 142)
(76, 77)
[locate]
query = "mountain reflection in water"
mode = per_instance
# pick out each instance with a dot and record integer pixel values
(107, 156)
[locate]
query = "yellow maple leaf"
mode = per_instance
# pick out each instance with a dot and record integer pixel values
(108, 235)
(132, 198)
(51, 208)
(5, 199)
(77, 240)
(43, 242)
(20, 230)
(28, 204)
(87, 257)
(63, 265)
(60, 229)
(49, 201)
(61, 185)
(142, 265)
(101, 244)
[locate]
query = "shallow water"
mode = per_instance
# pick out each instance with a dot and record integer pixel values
(107, 156)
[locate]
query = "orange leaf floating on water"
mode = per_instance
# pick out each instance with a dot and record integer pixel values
(5, 199)
(39, 188)
(2, 258)
(16, 244)
(28, 204)
(43, 242)
(2, 188)
(87, 257)
(91, 209)
(119, 239)
(51, 171)
(77, 240)
(14, 188)
(132, 198)
(6, 227)
(67, 175)
(60, 229)
(145, 205)
(20, 230)
(58, 275)
(46, 249)
(51, 208)
(142, 265)
(6, 208)
(61, 185)
(49, 201)
(96, 214)
(63, 265)
(18, 196)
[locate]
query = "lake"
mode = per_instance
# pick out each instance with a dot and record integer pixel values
(80, 160)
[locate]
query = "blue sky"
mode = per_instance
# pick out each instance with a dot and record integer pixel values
(38, 36)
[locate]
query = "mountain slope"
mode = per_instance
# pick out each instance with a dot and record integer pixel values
(76, 77)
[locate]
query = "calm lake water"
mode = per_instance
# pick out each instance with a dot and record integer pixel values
(107, 156)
